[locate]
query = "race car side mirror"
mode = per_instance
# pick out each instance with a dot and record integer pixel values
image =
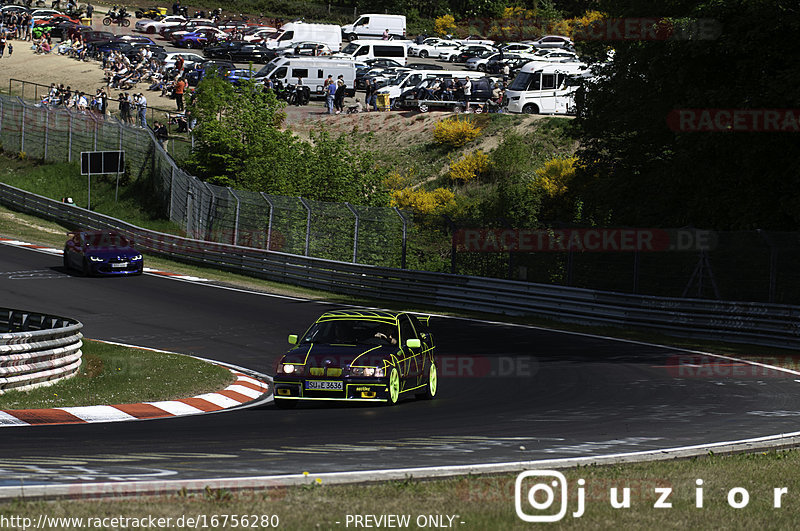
(413, 343)
(293, 339)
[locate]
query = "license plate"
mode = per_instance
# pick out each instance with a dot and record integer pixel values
(120, 265)
(317, 385)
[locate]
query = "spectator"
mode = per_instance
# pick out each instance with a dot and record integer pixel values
(179, 90)
(467, 88)
(370, 98)
(385, 34)
(89, 12)
(161, 133)
(141, 107)
(339, 93)
(330, 94)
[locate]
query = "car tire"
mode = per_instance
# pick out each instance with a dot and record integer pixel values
(151, 30)
(458, 109)
(352, 37)
(423, 54)
(452, 58)
(432, 384)
(423, 108)
(530, 108)
(66, 260)
(85, 269)
(482, 68)
(393, 393)
(282, 403)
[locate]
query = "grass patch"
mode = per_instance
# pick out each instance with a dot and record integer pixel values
(64, 180)
(111, 374)
(487, 502)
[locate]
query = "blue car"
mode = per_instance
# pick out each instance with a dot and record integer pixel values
(102, 253)
(239, 75)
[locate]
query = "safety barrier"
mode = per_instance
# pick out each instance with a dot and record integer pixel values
(37, 349)
(756, 323)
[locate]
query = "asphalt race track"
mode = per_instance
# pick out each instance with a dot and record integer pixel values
(506, 393)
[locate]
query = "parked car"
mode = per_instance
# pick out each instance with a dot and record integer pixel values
(552, 41)
(199, 38)
(475, 39)
(520, 48)
(194, 76)
(89, 35)
(463, 54)
(431, 47)
(425, 95)
(189, 59)
(480, 62)
(239, 75)
(154, 26)
(135, 38)
(310, 49)
(241, 52)
(189, 25)
(549, 55)
(102, 253)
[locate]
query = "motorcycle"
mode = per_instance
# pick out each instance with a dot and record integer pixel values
(121, 18)
(152, 13)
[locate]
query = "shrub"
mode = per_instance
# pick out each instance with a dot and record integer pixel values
(554, 178)
(470, 166)
(455, 132)
(423, 201)
(445, 25)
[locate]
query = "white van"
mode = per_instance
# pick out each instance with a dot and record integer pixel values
(296, 32)
(545, 90)
(363, 50)
(411, 78)
(372, 26)
(312, 70)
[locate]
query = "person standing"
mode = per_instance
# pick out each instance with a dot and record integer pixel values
(330, 95)
(89, 12)
(467, 88)
(338, 102)
(141, 105)
(386, 34)
(180, 88)
(506, 72)
(370, 97)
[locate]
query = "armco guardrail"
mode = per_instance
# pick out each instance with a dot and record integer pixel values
(37, 349)
(757, 323)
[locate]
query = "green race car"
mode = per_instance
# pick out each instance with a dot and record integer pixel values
(359, 355)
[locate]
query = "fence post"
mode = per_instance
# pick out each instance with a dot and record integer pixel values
(69, 139)
(236, 222)
(405, 236)
(308, 223)
(269, 223)
(355, 232)
(46, 131)
(22, 130)
(95, 135)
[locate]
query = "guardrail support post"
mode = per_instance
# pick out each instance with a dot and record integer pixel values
(308, 224)
(269, 223)
(236, 222)
(405, 238)
(355, 232)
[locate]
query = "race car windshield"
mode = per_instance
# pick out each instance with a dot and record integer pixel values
(351, 332)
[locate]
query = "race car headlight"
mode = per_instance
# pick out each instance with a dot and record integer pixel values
(136, 257)
(288, 368)
(356, 371)
(95, 259)
(367, 371)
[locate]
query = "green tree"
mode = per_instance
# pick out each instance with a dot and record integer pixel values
(637, 170)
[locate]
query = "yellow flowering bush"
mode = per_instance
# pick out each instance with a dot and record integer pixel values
(554, 177)
(423, 201)
(444, 25)
(455, 132)
(470, 166)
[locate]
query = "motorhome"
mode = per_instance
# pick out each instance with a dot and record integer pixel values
(363, 50)
(293, 33)
(546, 89)
(313, 71)
(374, 26)
(411, 78)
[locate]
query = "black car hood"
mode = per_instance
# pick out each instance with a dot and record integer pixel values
(324, 355)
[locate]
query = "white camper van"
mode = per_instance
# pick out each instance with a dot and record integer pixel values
(295, 32)
(372, 26)
(545, 90)
(312, 70)
(363, 50)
